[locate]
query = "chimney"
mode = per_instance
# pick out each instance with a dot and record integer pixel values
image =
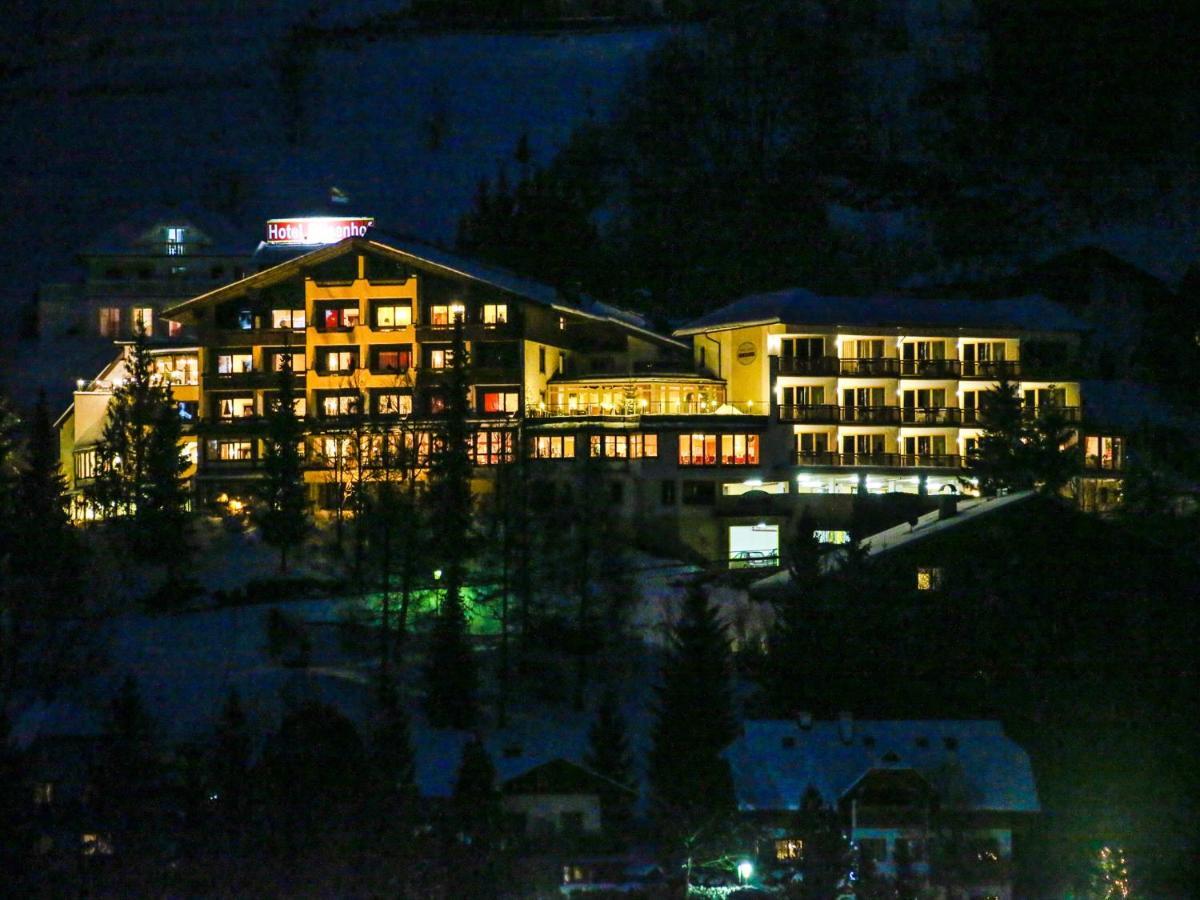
(804, 720)
(846, 727)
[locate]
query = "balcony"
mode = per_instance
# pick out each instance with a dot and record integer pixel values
(821, 414)
(871, 415)
(231, 380)
(930, 368)
(634, 407)
(869, 367)
(879, 460)
(931, 415)
(1069, 413)
(994, 369)
(808, 365)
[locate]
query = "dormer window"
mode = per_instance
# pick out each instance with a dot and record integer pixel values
(176, 240)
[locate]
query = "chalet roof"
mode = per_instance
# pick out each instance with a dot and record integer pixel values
(561, 776)
(218, 236)
(803, 307)
(970, 764)
(409, 251)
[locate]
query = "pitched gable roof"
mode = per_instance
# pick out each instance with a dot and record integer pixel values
(970, 764)
(451, 264)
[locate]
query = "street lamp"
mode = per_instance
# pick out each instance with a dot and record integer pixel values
(745, 869)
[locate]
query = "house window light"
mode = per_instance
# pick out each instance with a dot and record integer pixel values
(495, 313)
(929, 578)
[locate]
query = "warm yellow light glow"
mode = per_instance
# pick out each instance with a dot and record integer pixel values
(236, 506)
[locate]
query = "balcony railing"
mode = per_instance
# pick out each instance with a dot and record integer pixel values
(229, 380)
(1002, 368)
(871, 415)
(931, 415)
(880, 460)
(930, 368)
(869, 366)
(818, 413)
(808, 365)
(635, 407)
(1069, 413)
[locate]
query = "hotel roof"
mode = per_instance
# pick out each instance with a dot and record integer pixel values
(451, 263)
(802, 307)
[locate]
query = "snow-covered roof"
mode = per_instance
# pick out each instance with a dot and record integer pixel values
(803, 307)
(408, 250)
(968, 763)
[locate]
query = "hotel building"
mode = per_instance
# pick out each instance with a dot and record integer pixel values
(708, 441)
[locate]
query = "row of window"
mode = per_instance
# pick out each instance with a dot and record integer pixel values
(874, 348)
(141, 318)
(382, 314)
(340, 360)
(718, 449)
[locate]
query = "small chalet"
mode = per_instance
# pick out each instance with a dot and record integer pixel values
(909, 794)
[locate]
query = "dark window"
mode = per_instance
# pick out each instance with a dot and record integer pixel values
(571, 822)
(874, 849)
(699, 493)
(341, 270)
(496, 355)
(668, 492)
(542, 360)
(217, 272)
(616, 492)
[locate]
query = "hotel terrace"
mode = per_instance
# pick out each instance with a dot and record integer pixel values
(709, 441)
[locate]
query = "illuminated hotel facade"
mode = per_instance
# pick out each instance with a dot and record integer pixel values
(708, 441)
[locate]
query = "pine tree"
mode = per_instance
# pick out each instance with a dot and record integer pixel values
(796, 662)
(476, 802)
(284, 516)
(695, 720)
(139, 464)
(1001, 459)
(450, 673)
(827, 858)
(129, 770)
(391, 752)
(231, 757)
(11, 463)
(1054, 457)
(608, 755)
(46, 543)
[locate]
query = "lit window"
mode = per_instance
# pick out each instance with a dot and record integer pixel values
(789, 850)
(394, 403)
(393, 359)
(335, 449)
(611, 446)
(440, 357)
(500, 401)
(643, 445)
(339, 404)
(110, 321)
(492, 447)
(230, 451)
(143, 319)
(234, 363)
(178, 271)
(442, 315)
(929, 578)
(96, 844)
(245, 320)
(340, 361)
(495, 313)
(393, 314)
(174, 329)
(298, 358)
(336, 318)
(235, 407)
(85, 464)
(555, 446)
(288, 318)
(831, 536)
(739, 449)
(176, 240)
